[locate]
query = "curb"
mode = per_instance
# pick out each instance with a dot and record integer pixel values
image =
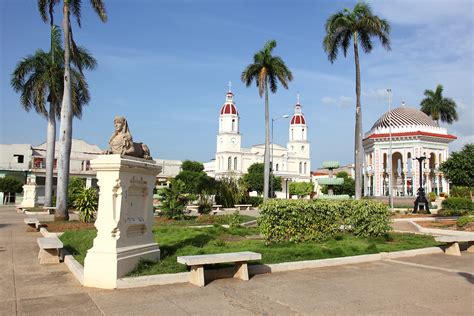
(175, 278)
(183, 277)
(74, 266)
(423, 219)
(442, 232)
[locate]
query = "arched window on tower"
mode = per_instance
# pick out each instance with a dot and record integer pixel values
(305, 167)
(229, 163)
(276, 167)
(233, 125)
(301, 168)
(292, 134)
(235, 163)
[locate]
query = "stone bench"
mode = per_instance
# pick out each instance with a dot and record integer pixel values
(33, 222)
(241, 206)
(197, 264)
(453, 244)
(50, 249)
(50, 209)
(216, 209)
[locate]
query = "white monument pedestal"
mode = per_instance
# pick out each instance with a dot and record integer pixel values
(30, 199)
(124, 219)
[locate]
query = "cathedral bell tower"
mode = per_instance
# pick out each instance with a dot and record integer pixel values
(298, 144)
(228, 138)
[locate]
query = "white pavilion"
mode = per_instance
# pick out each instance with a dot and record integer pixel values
(414, 134)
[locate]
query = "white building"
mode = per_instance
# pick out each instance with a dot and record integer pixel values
(292, 163)
(29, 161)
(414, 134)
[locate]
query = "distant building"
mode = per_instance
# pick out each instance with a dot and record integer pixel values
(291, 163)
(29, 161)
(414, 134)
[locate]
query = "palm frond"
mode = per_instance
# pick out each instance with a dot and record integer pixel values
(75, 7)
(99, 8)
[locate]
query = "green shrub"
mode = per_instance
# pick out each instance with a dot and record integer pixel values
(254, 200)
(447, 212)
(227, 193)
(460, 191)
(173, 200)
(75, 187)
(235, 219)
(86, 202)
(463, 221)
(432, 196)
(457, 203)
(303, 220)
(301, 189)
(204, 204)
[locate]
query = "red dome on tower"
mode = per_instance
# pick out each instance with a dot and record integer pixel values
(298, 118)
(229, 108)
(229, 105)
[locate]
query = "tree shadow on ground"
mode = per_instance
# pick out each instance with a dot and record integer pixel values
(468, 276)
(196, 241)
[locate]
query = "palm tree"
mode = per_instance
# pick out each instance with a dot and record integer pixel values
(39, 79)
(267, 70)
(65, 129)
(357, 26)
(439, 107)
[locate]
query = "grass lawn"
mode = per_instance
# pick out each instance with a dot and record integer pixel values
(180, 240)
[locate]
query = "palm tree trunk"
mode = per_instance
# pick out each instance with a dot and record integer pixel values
(358, 150)
(65, 129)
(50, 144)
(266, 160)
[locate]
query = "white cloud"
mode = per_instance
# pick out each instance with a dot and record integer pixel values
(409, 12)
(342, 101)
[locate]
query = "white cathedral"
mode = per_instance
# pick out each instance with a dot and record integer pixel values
(292, 163)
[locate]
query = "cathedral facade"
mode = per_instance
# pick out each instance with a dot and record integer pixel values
(292, 163)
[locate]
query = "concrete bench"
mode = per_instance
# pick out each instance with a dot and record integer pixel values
(241, 206)
(33, 222)
(50, 248)
(50, 209)
(197, 264)
(453, 244)
(216, 209)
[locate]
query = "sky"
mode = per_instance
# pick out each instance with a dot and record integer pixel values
(166, 64)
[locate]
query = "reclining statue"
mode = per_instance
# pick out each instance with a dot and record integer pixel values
(121, 141)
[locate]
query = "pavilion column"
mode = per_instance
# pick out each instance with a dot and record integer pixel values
(405, 183)
(437, 183)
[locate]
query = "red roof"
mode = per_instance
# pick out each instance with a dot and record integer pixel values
(229, 108)
(298, 119)
(417, 133)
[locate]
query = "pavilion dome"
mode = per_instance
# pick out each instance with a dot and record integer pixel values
(403, 120)
(404, 116)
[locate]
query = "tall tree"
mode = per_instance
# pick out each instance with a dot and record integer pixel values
(39, 79)
(459, 168)
(357, 26)
(65, 129)
(439, 107)
(267, 70)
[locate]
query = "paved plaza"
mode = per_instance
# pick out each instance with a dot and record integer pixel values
(423, 285)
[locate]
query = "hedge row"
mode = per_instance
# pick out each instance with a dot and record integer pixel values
(305, 220)
(458, 203)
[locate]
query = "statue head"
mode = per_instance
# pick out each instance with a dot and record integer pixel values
(121, 125)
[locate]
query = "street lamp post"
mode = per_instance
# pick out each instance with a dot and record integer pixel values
(271, 154)
(390, 175)
(421, 202)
